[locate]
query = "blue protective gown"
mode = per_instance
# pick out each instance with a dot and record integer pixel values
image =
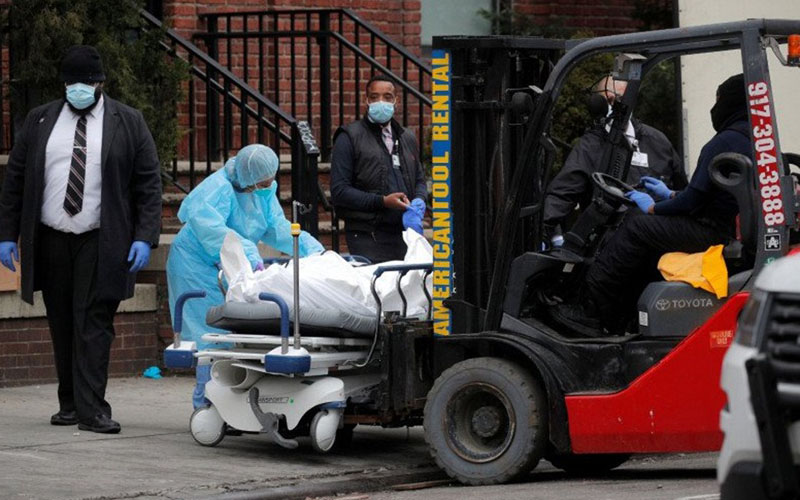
(210, 211)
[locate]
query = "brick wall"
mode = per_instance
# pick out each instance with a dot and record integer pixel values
(397, 19)
(602, 18)
(26, 353)
(163, 320)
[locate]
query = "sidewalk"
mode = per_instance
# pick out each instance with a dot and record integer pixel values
(155, 457)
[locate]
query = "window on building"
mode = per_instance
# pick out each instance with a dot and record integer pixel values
(453, 17)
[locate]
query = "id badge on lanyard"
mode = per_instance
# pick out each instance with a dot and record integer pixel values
(395, 156)
(639, 159)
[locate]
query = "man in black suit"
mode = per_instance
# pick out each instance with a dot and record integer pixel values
(82, 193)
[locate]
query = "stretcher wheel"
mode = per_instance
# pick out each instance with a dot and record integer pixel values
(323, 430)
(207, 426)
(486, 421)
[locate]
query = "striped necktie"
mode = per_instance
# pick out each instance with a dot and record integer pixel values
(387, 138)
(73, 201)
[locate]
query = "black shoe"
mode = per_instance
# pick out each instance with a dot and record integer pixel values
(64, 417)
(578, 319)
(100, 423)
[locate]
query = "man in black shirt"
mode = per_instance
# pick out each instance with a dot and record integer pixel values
(376, 177)
(653, 156)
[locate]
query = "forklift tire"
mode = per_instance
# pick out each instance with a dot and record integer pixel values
(486, 421)
(588, 465)
(344, 437)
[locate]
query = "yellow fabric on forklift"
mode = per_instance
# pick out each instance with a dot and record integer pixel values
(704, 270)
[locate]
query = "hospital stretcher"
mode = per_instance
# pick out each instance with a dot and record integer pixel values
(266, 380)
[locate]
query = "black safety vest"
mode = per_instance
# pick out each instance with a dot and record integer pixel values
(373, 164)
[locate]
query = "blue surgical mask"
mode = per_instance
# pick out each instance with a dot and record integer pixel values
(381, 111)
(268, 191)
(80, 95)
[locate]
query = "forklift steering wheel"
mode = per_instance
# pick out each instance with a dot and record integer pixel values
(612, 187)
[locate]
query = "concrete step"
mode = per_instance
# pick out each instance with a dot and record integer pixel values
(174, 225)
(285, 196)
(184, 166)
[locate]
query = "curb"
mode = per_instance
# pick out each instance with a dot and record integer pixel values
(356, 484)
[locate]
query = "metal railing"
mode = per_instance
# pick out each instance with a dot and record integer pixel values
(223, 113)
(296, 57)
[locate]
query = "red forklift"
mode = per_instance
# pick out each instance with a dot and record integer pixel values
(496, 383)
(512, 387)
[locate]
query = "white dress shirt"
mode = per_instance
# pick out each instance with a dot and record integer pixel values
(57, 160)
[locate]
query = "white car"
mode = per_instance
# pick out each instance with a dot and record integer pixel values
(761, 377)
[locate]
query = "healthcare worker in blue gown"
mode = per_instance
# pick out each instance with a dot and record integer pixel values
(240, 197)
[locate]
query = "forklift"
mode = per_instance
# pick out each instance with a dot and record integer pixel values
(497, 385)
(511, 387)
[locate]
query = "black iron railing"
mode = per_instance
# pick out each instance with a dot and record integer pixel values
(302, 58)
(223, 114)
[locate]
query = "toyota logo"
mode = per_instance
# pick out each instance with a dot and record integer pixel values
(662, 304)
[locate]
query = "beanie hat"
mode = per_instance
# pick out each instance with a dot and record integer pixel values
(731, 103)
(82, 63)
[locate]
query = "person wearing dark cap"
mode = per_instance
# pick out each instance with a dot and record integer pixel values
(82, 194)
(690, 221)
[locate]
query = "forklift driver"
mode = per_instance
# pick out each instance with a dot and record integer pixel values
(688, 221)
(654, 157)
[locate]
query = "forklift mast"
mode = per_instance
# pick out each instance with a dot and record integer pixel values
(499, 154)
(493, 85)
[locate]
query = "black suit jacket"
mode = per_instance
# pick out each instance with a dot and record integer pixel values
(130, 203)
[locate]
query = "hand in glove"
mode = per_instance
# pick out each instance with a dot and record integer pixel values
(8, 254)
(642, 200)
(412, 217)
(657, 188)
(139, 255)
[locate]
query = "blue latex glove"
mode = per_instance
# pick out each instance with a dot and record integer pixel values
(418, 205)
(8, 254)
(412, 217)
(152, 372)
(139, 255)
(643, 200)
(657, 188)
(258, 265)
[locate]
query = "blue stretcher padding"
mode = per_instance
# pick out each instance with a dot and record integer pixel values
(291, 362)
(182, 357)
(287, 363)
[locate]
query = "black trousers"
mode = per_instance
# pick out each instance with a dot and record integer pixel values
(629, 260)
(81, 326)
(378, 246)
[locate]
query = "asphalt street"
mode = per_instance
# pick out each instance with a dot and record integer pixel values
(155, 458)
(673, 477)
